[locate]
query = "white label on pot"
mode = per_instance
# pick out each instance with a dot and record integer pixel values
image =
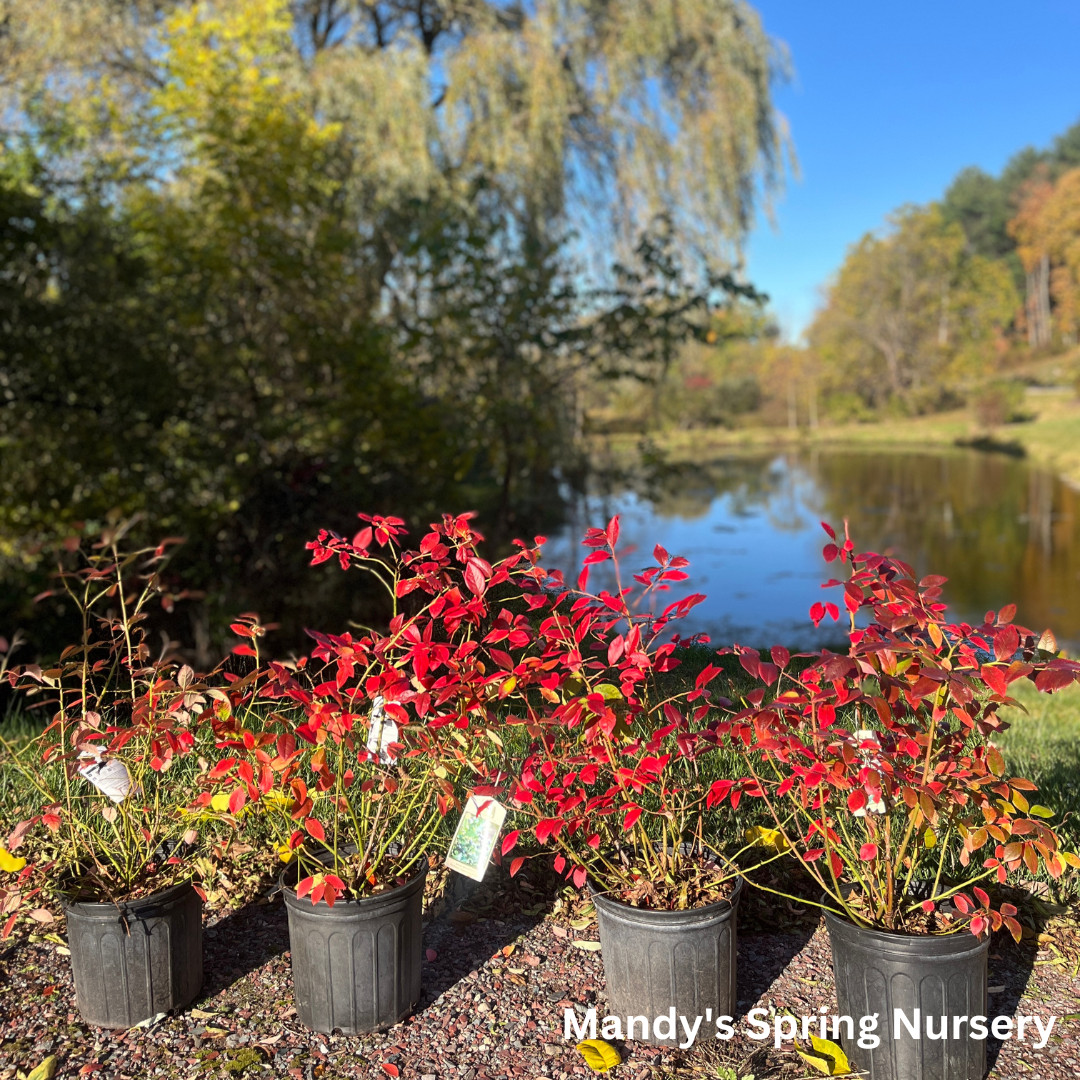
(475, 836)
(108, 775)
(382, 732)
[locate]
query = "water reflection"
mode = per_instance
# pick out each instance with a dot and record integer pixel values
(1000, 531)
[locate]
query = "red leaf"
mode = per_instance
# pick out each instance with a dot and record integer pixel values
(856, 800)
(962, 903)
(631, 817)
(431, 955)
(237, 800)
(1006, 614)
(516, 865)
(509, 841)
(560, 862)
(389, 1069)
(474, 577)
(829, 529)
(830, 551)
(579, 876)
(868, 852)
(304, 887)
(612, 531)
(315, 828)
(244, 650)
(981, 896)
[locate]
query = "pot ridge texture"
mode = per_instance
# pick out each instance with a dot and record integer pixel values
(356, 965)
(878, 971)
(134, 960)
(658, 960)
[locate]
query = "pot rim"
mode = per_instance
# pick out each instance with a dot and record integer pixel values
(950, 942)
(625, 910)
(397, 893)
(107, 908)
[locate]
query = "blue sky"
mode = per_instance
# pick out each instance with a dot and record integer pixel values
(889, 101)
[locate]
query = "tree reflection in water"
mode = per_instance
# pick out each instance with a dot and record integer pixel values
(999, 530)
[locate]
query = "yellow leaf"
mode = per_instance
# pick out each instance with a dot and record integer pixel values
(10, 863)
(588, 946)
(828, 1058)
(1019, 801)
(609, 691)
(45, 1070)
(935, 635)
(220, 802)
(1041, 811)
(930, 838)
(599, 1055)
(760, 836)
(285, 853)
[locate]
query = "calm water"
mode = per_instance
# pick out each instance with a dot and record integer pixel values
(999, 530)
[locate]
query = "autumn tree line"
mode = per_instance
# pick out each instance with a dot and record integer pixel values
(947, 305)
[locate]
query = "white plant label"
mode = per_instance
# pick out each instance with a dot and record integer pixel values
(874, 806)
(108, 775)
(382, 732)
(475, 836)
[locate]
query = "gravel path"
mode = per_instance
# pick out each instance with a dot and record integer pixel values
(496, 980)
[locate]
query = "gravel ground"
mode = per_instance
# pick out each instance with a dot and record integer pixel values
(496, 979)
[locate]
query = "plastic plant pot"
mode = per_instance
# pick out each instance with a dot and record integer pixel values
(658, 960)
(940, 975)
(134, 960)
(356, 965)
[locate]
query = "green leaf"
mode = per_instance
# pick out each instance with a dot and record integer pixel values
(600, 1056)
(1041, 811)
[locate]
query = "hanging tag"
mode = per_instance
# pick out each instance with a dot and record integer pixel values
(874, 806)
(475, 836)
(382, 732)
(108, 775)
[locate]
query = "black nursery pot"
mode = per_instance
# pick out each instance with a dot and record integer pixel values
(134, 960)
(657, 960)
(940, 975)
(356, 965)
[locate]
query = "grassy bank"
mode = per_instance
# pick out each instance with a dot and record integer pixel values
(1050, 438)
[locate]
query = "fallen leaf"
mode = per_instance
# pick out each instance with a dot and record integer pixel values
(62, 950)
(508, 950)
(582, 924)
(45, 1070)
(828, 1058)
(270, 1040)
(995, 989)
(600, 1056)
(389, 1069)
(150, 1021)
(431, 955)
(41, 915)
(202, 1014)
(558, 931)
(462, 918)
(215, 1032)
(532, 961)
(515, 970)
(590, 946)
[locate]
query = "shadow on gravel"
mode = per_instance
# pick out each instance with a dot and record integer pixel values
(762, 958)
(241, 941)
(1012, 971)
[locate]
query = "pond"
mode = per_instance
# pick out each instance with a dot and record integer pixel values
(999, 530)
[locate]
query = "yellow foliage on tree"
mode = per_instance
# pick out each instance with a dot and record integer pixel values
(1047, 233)
(911, 317)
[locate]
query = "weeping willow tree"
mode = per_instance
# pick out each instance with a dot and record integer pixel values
(599, 114)
(266, 264)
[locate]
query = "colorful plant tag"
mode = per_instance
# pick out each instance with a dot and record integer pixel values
(381, 733)
(108, 775)
(475, 836)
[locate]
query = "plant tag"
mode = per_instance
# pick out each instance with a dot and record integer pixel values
(874, 806)
(475, 836)
(109, 776)
(381, 733)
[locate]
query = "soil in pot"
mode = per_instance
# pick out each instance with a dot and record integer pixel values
(659, 960)
(135, 959)
(356, 965)
(878, 972)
